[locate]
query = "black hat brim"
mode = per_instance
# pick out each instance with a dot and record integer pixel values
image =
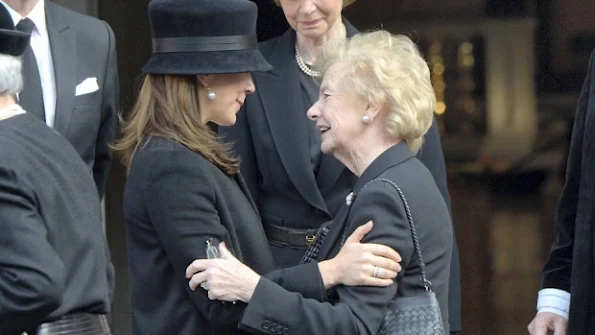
(211, 62)
(13, 42)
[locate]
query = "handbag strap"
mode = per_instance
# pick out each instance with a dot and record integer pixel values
(422, 265)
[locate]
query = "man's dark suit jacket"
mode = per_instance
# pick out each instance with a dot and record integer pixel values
(571, 262)
(360, 310)
(271, 137)
(54, 258)
(174, 200)
(84, 47)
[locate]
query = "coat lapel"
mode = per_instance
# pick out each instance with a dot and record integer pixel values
(63, 48)
(329, 172)
(285, 112)
(335, 234)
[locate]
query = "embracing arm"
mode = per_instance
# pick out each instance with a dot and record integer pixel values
(240, 136)
(31, 272)
(180, 198)
(352, 266)
(305, 279)
(360, 310)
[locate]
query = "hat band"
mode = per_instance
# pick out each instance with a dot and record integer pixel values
(200, 44)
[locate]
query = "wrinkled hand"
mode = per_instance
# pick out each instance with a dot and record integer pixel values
(356, 263)
(225, 278)
(547, 323)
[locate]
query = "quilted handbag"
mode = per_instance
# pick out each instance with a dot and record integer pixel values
(417, 315)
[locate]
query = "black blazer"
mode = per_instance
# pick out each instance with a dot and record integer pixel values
(84, 47)
(54, 258)
(174, 199)
(271, 137)
(571, 263)
(360, 310)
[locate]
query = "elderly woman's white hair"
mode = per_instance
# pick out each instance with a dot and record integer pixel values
(388, 70)
(11, 81)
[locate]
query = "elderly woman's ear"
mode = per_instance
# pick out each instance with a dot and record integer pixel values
(373, 111)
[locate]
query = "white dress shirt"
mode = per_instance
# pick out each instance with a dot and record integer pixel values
(40, 43)
(554, 301)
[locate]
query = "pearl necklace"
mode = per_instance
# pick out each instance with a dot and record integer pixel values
(303, 66)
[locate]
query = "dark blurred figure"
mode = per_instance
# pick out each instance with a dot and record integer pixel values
(566, 303)
(55, 272)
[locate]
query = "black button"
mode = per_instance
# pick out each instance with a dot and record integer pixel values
(285, 331)
(274, 327)
(265, 325)
(280, 331)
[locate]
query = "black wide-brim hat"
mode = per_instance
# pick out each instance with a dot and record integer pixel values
(12, 42)
(193, 37)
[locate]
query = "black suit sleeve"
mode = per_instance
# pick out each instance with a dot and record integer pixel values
(304, 279)
(31, 272)
(360, 310)
(557, 270)
(240, 136)
(109, 116)
(185, 189)
(180, 199)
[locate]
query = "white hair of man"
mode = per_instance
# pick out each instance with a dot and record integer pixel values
(11, 80)
(387, 70)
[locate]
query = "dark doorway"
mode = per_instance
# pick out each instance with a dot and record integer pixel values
(130, 23)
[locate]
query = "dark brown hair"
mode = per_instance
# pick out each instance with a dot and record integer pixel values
(167, 106)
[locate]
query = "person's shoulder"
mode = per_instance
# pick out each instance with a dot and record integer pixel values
(25, 130)
(410, 176)
(267, 47)
(164, 160)
(92, 27)
(9, 148)
(72, 16)
(164, 153)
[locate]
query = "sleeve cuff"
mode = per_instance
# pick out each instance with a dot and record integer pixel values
(554, 301)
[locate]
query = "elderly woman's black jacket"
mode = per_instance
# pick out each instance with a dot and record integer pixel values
(360, 310)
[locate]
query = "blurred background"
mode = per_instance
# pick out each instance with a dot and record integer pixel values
(507, 74)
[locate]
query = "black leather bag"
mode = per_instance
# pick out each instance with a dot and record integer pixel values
(417, 315)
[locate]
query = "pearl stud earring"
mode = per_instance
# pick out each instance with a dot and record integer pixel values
(211, 94)
(366, 119)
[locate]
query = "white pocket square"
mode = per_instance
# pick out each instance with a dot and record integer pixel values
(88, 85)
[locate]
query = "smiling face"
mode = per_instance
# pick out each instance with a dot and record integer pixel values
(230, 93)
(312, 18)
(338, 115)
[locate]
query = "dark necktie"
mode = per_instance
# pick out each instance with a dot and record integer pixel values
(31, 97)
